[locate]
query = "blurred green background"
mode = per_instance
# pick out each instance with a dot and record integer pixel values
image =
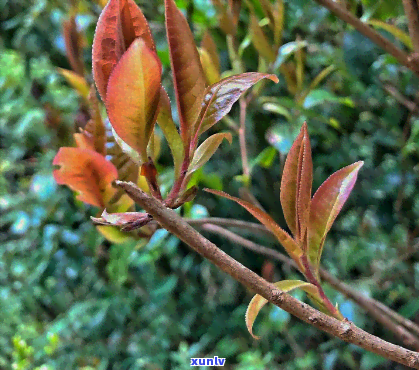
(70, 299)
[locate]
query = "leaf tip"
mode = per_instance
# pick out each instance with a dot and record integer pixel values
(274, 78)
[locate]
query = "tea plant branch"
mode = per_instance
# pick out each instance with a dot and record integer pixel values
(242, 138)
(376, 309)
(344, 329)
(369, 32)
(411, 8)
(226, 222)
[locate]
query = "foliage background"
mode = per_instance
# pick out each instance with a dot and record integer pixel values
(70, 299)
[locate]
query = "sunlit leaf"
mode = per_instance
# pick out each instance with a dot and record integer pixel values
(119, 24)
(77, 81)
(170, 132)
(258, 301)
(394, 31)
(316, 81)
(211, 73)
(226, 19)
(277, 109)
(114, 234)
(286, 50)
(278, 19)
(127, 169)
(133, 96)
(320, 96)
(207, 149)
(283, 237)
(134, 155)
(296, 182)
(210, 46)
(220, 97)
(86, 172)
(260, 42)
(326, 205)
(189, 78)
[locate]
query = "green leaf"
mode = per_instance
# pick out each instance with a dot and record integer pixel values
(286, 50)
(317, 97)
(393, 30)
(170, 132)
(206, 150)
(317, 80)
(277, 109)
(283, 237)
(258, 301)
(259, 40)
(326, 205)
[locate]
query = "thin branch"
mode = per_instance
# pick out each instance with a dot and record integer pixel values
(373, 35)
(242, 138)
(410, 105)
(344, 329)
(226, 222)
(411, 8)
(366, 303)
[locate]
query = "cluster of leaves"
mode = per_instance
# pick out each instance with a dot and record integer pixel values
(58, 275)
(127, 73)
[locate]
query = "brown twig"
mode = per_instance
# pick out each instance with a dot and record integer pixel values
(369, 32)
(242, 138)
(411, 8)
(374, 308)
(410, 105)
(344, 329)
(251, 226)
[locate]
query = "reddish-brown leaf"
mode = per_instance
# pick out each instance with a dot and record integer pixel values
(86, 172)
(296, 183)
(326, 205)
(133, 96)
(119, 24)
(95, 127)
(73, 45)
(188, 76)
(283, 237)
(220, 97)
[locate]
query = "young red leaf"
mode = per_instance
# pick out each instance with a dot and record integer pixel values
(133, 96)
(296, 183)
(283, 237)
(119, 24)
(188, 76)
(86, 172)
(326, 205)
(220, 97)
(258, 301)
